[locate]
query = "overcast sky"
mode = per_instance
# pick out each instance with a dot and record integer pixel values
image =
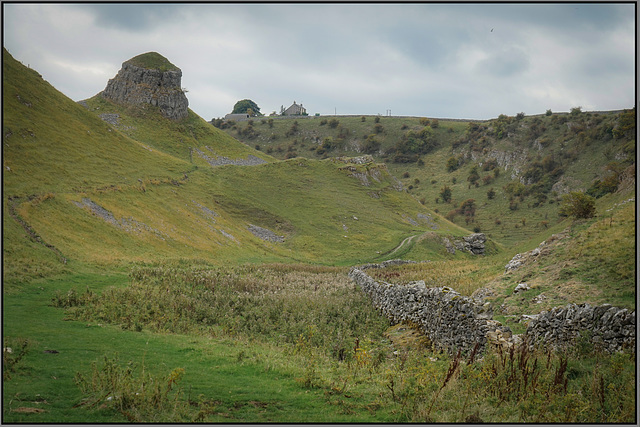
(437, 60)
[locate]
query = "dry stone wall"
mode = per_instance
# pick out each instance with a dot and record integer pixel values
(454, 322)
(450, 321)
(607, 328)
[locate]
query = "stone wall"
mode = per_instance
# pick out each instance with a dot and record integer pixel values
(608, 328)
(135, 85)
(452, 321)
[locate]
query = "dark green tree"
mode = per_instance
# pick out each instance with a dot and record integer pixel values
(473, 175)
(371, 145)
(246, 106)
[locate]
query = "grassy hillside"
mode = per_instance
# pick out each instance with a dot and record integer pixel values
(526, 163)
(140, 187)
(52, 144)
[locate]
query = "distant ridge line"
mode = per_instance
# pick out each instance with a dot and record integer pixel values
(429, 117)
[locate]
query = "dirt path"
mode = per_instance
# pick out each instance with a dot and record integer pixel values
(404, 242)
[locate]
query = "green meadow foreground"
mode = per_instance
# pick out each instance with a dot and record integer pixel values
(162, 271)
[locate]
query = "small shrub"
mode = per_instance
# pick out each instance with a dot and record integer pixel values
(452, 164)
(13, 351)
(445, 194)
(142, 398)
(578, 205)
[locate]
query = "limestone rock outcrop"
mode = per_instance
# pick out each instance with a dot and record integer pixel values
(150, 79)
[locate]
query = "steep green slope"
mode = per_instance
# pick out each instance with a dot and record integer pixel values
(51, 143)
(187, 140)
(102, 183)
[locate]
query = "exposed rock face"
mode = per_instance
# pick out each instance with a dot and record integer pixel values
(136, 85)
(473, 243)
(543, 249)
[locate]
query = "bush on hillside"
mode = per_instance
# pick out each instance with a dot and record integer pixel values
(371, 145)
(445, 194)
(412, 145)
(452, 164)
(578, 205)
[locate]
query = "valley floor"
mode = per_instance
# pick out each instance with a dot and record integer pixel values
(271, 343)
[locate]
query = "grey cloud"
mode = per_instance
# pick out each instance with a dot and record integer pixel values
(416, 59)
(134, 17)
(505, 63)
(564, 16)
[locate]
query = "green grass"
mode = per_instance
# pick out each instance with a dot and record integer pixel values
(233, 377)
(224, 374)
(154, 61)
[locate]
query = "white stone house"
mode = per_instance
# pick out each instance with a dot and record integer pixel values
(295, 110)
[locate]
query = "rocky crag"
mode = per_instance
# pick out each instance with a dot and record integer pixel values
(149, 79)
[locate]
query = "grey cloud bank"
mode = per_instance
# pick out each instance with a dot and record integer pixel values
(439, 60)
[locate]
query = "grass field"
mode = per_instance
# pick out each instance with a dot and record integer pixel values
(322, 356)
